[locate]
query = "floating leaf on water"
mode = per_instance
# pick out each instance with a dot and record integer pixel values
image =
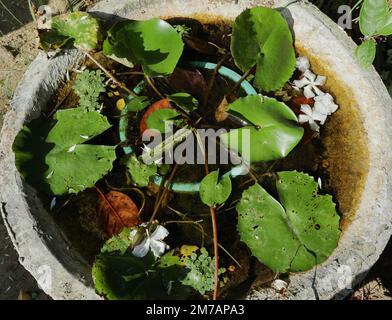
(79, 27)
(262, 38)
(294, 235)
(154, 44)
(273, 134)
(214, 192)
(139, 171)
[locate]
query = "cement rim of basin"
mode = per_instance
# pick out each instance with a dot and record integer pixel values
(63, 273)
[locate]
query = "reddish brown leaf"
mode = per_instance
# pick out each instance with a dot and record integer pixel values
(296, 102)
(117, 211)
(201, 46)
(161, 104)
(221, 112)
(190, 81)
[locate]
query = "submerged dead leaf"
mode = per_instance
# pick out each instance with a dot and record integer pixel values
(190, 81)
(201, 46)
(221, 112)
(117, 211)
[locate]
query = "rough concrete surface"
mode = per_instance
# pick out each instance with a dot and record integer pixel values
(17, 50)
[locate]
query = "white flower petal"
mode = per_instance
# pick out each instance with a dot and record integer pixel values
(320, 80)
(132, 234)
(308, 92)
(310, 76)
(303, 118)
(142, 249)
(333, 107)
(302, 64)
(158, 248)
(319, 117)
(314, 126)
(159, 233)
(317, 91)
(301, 83)
(305, 108)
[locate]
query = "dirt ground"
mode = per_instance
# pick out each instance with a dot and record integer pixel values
(18, 47)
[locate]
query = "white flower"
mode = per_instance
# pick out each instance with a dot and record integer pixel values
(311, 116)
(153, 242)
(310, 83)
(302, 64)
(325, 104)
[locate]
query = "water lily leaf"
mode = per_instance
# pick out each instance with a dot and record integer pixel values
(154, 44)
(214, 192)
(262, 37)
(294, 235)
(117, 211)
(72, 164)
(366, 52)
(157, 120)
(139, 171)
(273, 131)
(118, 274)
(184, 100)
(79, 27)
(375, 18)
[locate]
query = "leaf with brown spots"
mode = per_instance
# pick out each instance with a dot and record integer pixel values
(117, 211)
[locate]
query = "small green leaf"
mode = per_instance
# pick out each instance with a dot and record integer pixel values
(139, 171)
(135, 104)
(214, 192)
(375, 18)
(73, 165)
(88, 86)
(80, 27)
(366, 52)
(294, 236)
(157, 120)
(273, 134)
(154, 44)
(262, 37)
(185, 101)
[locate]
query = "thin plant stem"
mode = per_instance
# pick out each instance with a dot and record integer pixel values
(109, 74)
(152, 85)
(183, 216)
(31, 10)
(215, 237)
(238, 83)
(213, 77)
(164, 192)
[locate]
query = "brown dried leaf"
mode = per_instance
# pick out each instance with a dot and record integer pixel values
(190, 81)
(117, 211)
(221, 114)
